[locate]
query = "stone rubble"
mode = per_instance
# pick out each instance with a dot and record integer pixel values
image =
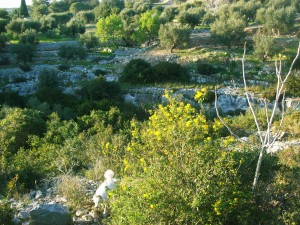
(34, 204)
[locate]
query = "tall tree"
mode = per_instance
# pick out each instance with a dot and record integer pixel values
(23, 11)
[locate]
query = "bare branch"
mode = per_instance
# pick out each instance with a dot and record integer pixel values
(248, 99)
(221, 119)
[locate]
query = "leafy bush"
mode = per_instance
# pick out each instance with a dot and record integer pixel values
(99, 89)
(204, 68)
(169, 72)
(61, 18)
(263, 45)
(137, 71)
(25, 52)
(3, 23)
(4, 60)
(99, 72)
(74, 27)
(11, 99)
(86, 16)
(28, 37)
(49, 86)
(72, 52)
(3, 41)
(89, 40)
(63, 67)
(175, 172)
(16, 125)
(6, 213)
(293, 84)
(228, 28)
(172, 35)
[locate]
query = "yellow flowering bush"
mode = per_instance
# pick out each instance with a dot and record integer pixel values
(176, 173)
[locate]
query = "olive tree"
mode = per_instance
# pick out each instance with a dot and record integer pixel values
(229, 29)
(171, 35)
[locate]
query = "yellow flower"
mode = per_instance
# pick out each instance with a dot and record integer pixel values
(151, 206)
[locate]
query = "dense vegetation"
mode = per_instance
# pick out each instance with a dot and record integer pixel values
(178, 163)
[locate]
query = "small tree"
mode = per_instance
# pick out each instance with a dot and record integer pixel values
(49, 86)
(69, 52)
(108, 7)
(137, 71)
(277, 21)
(148, 28)
(75, 26)
(89, 40)
(78, 7)
(267, 138)
(23, 11)
(110, 29)
(25, 52)
(229, 28)
(263, 45)
(172, 35)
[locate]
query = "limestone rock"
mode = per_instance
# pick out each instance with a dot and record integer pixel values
(55, 214)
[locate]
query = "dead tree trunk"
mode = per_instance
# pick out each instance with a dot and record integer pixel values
(267, 140)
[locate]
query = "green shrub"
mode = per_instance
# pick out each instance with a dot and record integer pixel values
(89, 40)
(100, 72)
(169, 72)
(3, 23)
(6, 213)
(137, 71)
(29, 36)
(25, 52)
(11, 99)
(72, 52)
(228, 28)
(63, 67)
(3, 41)
(49, 86)
(74, 27)
(4, 60)
(263, 45)
(175, 172)
(16, 125)
(293, 84)
(99, 89)
(204, 68)
(86, 16)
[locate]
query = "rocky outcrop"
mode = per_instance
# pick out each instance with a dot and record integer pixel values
(49, 215)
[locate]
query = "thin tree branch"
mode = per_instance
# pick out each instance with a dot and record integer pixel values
(221, 119)
(248, 99)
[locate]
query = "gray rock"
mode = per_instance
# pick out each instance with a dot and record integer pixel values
(23, 215)
(16, 221)
(55, 214)
(228, 104)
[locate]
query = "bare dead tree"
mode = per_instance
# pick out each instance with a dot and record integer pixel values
(267, 139)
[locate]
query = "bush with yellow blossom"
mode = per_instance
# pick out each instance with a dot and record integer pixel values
(177, 171)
